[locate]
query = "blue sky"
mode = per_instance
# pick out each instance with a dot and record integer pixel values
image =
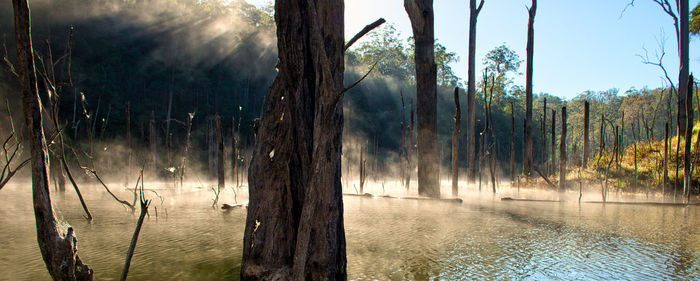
(579, 44)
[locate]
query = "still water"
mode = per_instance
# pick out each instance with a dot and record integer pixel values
(387, 239)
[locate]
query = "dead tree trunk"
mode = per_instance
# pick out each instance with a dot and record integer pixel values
(183, 165)
(128, 142)
(471, 91)
(602, 138)
(634, 136)
(221, 175)
(152, 140)
(167, 120)
(684, 68)
(528, 87)
(543, 160)
(663, 188)
(294, 225)
(234, 152)
(58, 249)
(420, 12)
(455, 144)
(562, 152)
(363, 171)
(512, 144)
(553, 140)
(687, 171)
(586, 133)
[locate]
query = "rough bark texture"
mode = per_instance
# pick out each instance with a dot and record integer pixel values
(58, 249)
(294, 227)
(455, 144)
(527, 162)
(586, 132)
(562, 152)
(471, 91)
(420, 12)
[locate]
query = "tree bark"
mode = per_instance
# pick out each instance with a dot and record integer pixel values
(684, 67)
(471, 91)
(553, 140)
(455, 144)
(512, 144)
(527, 162)
(687, 172)
(562, 152)
(543, 160)
(586, 133)
(294, 226)
(420, 12)
(58, 249)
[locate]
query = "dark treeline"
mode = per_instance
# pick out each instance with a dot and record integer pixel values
(219, 58)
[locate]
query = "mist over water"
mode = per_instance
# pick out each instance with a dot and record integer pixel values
(387, 238)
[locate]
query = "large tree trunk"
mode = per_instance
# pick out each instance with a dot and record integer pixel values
(57, 248)
(455, 144)
(420, 12)
(527, 162)
(586, 134)
(471, 91)
(562, 152)
(294, 227)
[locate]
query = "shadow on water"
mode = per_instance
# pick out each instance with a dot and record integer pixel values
(387, 238)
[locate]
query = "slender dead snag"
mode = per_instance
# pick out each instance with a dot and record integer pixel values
(687, 172)
(134, 238)
(543, 126)
(634, 136)
(58, 249)
(363, 171)
(512, 143)
(167, 119)
(586, 133)
(455, 144)
(234, 152)
(553, 140)
(562, 152)
(97, 176)
(152, 142)
(221, 175)
(128, 142)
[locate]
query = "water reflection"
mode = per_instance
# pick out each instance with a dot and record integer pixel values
(388, 239)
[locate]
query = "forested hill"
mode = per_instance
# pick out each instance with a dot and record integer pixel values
(218, 57)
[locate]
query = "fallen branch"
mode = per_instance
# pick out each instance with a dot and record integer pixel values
(544, 177)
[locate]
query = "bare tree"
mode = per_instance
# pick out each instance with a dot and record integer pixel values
(471, 90)
(455, 144)
(420, 12)
(527, 162)
(586, 132)
(562, 152)
(57, 248)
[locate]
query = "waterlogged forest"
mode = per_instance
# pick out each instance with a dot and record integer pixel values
(219, 140)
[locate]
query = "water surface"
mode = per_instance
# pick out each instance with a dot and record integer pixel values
(387, 239)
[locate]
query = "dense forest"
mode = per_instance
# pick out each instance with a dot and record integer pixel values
(142, 53)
